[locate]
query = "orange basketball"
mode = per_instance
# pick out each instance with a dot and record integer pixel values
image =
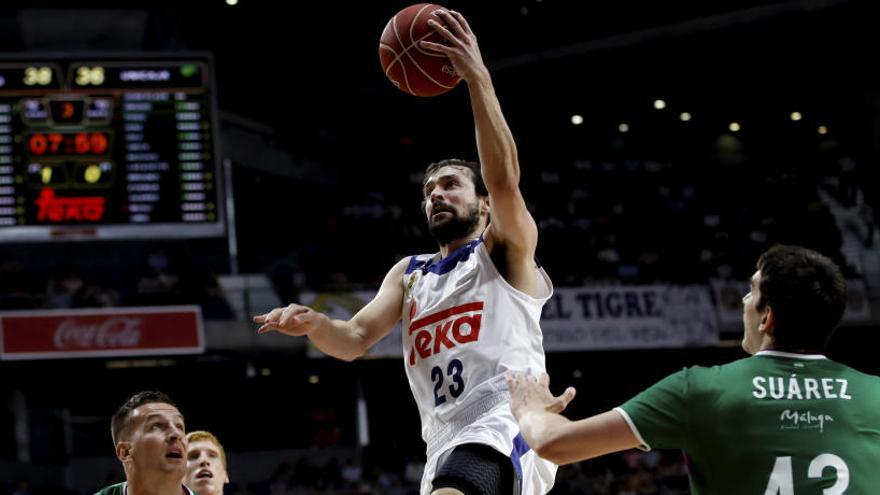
(410, 67)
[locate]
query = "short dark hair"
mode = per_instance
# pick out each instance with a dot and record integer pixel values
(121, 419)
(474, 167)
(807, 293)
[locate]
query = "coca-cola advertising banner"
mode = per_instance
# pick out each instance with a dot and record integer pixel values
(101, 332)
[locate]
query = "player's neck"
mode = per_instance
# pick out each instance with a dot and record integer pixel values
(155, 484)
(457, 243)
(795, 351)
(768, 344)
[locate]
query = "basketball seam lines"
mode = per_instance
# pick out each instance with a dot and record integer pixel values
(397, 57)
(406, 50)
(412, 26)
(412, 23)
(425, 73)
(428, 75)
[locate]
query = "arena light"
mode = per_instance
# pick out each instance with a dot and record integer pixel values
(734, 127)
(796, 116)
(822, 130)
(659, 104)
(314, 379)
(623, 127)
(684, 116)
(231, 2)
(577, 119)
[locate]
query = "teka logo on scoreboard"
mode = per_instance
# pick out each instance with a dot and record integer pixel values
(445, 329)
(55, 209)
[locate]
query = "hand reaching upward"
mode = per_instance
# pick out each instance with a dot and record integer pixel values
(462, 50)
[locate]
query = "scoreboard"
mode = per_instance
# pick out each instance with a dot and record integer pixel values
(103, 147)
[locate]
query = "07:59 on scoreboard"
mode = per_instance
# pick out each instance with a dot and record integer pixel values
(108, 148)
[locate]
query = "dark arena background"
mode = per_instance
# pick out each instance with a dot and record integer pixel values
(169, 169)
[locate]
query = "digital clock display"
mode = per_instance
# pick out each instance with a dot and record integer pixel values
(108, 148)
(68, 143)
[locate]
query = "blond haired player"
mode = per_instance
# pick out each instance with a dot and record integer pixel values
(205, 463)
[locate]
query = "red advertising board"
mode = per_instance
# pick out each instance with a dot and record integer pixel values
(101, 332)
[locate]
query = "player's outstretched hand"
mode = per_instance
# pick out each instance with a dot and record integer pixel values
(531, 393)
(462, 48)
(293, 319)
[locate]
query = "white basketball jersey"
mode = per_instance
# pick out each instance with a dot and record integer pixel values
(464, 327)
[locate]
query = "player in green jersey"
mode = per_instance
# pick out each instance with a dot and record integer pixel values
(785, 421)
(150, 439)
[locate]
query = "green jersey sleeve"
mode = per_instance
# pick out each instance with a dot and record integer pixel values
(658, 416)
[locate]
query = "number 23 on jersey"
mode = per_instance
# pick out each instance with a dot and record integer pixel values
(448, 381)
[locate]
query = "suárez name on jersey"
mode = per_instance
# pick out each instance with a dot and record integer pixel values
(445, 329)
(795, 388)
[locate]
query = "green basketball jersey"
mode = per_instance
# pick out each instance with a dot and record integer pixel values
(775, 423)
(122, 489)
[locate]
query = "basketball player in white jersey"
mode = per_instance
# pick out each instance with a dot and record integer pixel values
(470, 312)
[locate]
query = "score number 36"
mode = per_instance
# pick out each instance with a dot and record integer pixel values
(86, 76)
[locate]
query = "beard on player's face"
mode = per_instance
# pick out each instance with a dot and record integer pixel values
(446, 224)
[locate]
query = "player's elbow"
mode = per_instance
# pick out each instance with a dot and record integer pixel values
(352, 354)
(356, 348)
(551, 451)
(349, 352)
(556, 448)
(348, 341)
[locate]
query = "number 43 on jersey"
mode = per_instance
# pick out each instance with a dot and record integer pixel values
(782, 479)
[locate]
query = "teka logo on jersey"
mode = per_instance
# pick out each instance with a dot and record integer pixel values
(445, 329)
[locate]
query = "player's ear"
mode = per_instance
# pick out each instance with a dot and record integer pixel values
(484, 205)
(123, 451)
(768, 321)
